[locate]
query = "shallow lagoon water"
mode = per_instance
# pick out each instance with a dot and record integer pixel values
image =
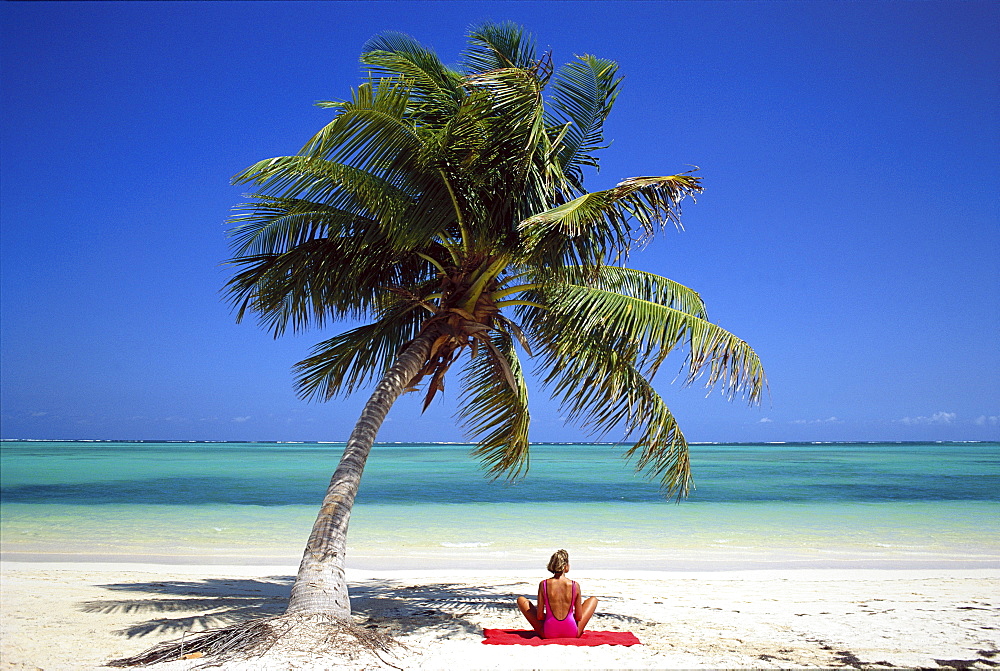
(424, 506)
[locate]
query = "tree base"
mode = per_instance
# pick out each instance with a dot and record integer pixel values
(314, 633)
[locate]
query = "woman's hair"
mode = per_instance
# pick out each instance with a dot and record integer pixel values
(559, 562)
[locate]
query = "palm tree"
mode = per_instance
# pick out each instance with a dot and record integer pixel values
(445, 209)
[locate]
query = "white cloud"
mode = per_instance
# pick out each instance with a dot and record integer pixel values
(240, 420)
(828, 420)
(765, 420)
(936, 418)
(983, 420)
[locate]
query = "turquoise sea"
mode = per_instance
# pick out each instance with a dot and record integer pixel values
(912, 505)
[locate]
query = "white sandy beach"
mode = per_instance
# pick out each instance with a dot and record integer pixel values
(79, 616)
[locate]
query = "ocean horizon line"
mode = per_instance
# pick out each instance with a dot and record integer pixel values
(472, 444)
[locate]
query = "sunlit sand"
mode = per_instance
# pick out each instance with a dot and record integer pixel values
(79, 616)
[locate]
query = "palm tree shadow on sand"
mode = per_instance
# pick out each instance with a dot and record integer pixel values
(216, 602)
(449, 608)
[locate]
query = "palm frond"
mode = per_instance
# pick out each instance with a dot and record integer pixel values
(370, 208)
(435, 89)
(597, 226)
(639, 284)
(600, 390)
(512, 176)
(650, 331)
(354, 358)
(271, 225)
(583, 94)
(493, 46)
(295, 274)
(660, 449)
(494, 411)
(330, 185)
(372, 131)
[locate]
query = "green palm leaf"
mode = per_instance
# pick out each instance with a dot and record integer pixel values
(435, 90)
(493, 46)
(584, 92)
(333, 185)
(308, 286)
(650, 331)
(597, 226)
(599, 388)
(271, 225)
(352, 359)
(631, 282)
(372, 131)
(302, 264)
(494, 412)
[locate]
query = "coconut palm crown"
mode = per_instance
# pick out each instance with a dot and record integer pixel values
(444, 209)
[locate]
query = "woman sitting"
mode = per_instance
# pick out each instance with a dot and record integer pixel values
(557, 596)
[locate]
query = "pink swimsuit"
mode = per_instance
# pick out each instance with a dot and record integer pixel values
(553, 627)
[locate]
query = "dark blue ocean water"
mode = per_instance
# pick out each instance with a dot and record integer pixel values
(270, 474)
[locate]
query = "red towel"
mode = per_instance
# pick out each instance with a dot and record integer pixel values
(528, 637)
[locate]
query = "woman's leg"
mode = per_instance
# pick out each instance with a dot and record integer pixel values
(528, 611)
(586, 612)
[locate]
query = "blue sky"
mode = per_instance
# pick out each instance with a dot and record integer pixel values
(849, 229)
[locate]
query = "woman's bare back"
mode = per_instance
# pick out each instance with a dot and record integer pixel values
(561, 595)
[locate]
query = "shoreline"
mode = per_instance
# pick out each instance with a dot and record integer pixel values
(776, 618)
(493, 566)
(356, 573)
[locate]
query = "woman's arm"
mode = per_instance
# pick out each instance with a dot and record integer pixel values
(579, 599)
(541, 601)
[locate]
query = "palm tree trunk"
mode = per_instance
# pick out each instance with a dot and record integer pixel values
(320, 586)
